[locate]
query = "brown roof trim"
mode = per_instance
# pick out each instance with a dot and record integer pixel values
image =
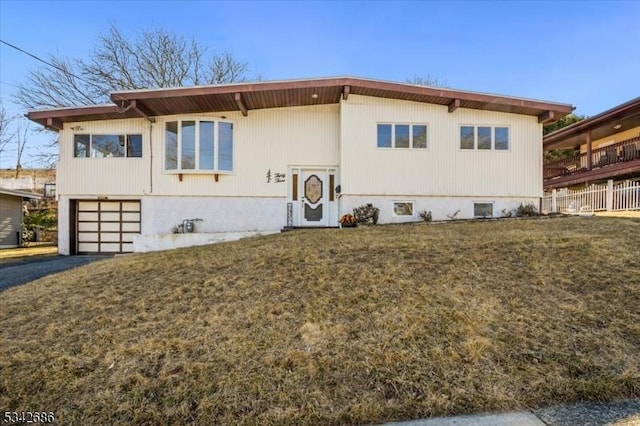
(610, 115)
(275, 94)
(353, 82)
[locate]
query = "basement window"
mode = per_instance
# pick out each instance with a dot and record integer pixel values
(483, 210)
(403, 208)
(198, 145)
(107, 146)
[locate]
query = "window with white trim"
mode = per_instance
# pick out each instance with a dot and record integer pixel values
(402, 136)
(403, 208)
(203, 145)
(107, 146)
(484, 138)
(482, 209)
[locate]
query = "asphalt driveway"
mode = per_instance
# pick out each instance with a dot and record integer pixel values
(24, 271)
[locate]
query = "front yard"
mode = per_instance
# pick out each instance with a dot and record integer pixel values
(348, 326)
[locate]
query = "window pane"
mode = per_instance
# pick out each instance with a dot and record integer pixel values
(403, 209)
(188, 139)
(134, 146)
(106, 146)
(502, 138)
(466, 137)
(171, 146)
(225, 146)
(402, 136)
(484, 137)
(206, 145)
(419, 136)
(384, 135)
(483, 209)
(81, 145)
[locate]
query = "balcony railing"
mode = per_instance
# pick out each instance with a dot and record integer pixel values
(620, 152)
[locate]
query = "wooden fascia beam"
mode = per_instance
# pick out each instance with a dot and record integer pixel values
(546, 116)
(345, 92)
(241, 106)
(141, 109)
(54, 124)
(454, 105)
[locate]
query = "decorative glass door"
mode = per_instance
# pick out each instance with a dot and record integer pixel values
(313, 202)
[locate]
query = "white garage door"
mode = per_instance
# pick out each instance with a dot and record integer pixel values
(107, 226)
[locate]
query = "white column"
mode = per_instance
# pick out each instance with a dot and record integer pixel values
(554, 201)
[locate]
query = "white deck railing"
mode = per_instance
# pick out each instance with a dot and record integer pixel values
(610, 197)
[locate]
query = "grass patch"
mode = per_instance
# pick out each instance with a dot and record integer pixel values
(25, 253)
(350, 326)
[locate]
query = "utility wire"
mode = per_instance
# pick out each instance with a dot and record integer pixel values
(9, 84)
(43, 61)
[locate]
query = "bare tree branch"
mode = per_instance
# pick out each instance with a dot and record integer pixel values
(427, 80)
(156, 58)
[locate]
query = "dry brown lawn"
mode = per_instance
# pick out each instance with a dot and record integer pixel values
(348, 326)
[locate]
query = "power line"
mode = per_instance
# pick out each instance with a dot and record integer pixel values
(9, 84)
(43, 61)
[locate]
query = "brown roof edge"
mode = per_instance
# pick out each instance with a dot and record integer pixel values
(65, 112)
(591, 122)
(340, 81)
(131, 104)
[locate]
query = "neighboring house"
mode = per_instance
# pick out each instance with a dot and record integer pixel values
(607, 147)
(11, 216)
(258, 157)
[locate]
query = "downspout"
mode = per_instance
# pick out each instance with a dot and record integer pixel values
(150, 154)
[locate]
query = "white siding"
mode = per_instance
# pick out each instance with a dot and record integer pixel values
(101, 176)
(272, 139)
(443, 169)
(264, 140)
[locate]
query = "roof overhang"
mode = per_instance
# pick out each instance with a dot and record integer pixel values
(615, 120)
(245, 97)
(21, 194)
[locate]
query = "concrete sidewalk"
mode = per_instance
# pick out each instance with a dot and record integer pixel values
(620, 413)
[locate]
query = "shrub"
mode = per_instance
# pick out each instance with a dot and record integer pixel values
(527, 210)
(425, 215)
(366, 214)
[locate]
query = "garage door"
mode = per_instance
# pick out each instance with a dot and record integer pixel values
(107, 226)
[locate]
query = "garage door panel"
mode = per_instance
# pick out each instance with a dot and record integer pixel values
(87, 247)
(91, 237)
(107, 226)
(110, 206)
(131, 227)
(109, 237)
(131, 217)
(131, 207)
(112, 217)
(87, 226)
(110, 226)
(87, 216)
(88, 205)
(110, 247)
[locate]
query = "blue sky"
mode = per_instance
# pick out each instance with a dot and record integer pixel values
(583, 53)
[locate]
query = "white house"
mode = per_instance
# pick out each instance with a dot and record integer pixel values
(257, 157)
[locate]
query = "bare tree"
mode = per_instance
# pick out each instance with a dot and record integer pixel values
(427, 80)
(21, 138)
(156, 58)
(6, 133)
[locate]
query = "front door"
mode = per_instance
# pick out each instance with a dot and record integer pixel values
(313, 198)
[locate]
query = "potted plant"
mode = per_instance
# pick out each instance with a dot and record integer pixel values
(348, 221)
